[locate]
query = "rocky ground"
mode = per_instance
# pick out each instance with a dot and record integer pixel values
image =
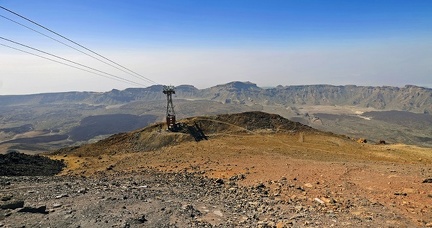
(18, 164)
(154, 199)
(280, 174)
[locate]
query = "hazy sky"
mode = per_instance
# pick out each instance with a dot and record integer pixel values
(204, 43)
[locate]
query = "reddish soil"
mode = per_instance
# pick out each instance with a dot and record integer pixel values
(327, 167)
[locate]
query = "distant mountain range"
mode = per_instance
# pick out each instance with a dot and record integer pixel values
(40, 122)
(408, 98)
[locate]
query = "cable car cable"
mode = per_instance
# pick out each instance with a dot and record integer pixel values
(53, 60)
(67, 60)
(27, 19)
(61, 42)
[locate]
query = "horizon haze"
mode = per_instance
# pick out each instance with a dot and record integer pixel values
(367, 43)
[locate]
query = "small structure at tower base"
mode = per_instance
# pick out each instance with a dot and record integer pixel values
(171, 122)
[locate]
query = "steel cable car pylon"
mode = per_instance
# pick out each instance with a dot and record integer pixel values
(170, 113)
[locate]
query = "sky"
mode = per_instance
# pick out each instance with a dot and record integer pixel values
(205, 43)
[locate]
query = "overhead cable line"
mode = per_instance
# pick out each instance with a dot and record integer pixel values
(64, 59)
(76, 49)
(53, 60)
(27, 19)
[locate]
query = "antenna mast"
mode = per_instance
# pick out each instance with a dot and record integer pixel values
(170, 114)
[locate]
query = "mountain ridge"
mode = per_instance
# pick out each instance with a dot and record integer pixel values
(408, 98)
(385, 113)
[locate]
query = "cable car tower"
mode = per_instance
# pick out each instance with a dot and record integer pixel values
(170, 114)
